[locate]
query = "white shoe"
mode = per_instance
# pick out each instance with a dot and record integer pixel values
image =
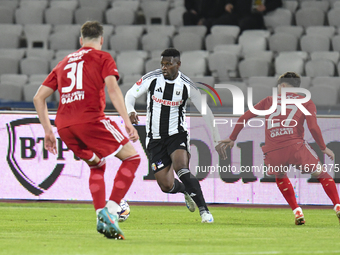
(189, 202)
(207, 217)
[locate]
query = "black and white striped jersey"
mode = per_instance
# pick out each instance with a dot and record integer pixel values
(166, 103)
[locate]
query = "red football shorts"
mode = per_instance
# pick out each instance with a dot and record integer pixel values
(300, 155)
(102, 138)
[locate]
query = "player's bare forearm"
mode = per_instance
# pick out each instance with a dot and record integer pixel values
(40, 105)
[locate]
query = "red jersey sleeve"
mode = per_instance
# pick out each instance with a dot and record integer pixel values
(262, 105)
(51, 81)
(109, 67)
(313, 125)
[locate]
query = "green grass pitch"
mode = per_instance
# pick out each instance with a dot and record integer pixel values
(53, 228)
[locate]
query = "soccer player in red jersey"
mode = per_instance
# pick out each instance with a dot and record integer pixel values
(80, 79)
(286, 146)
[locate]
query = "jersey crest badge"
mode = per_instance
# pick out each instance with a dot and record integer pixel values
(139, 82)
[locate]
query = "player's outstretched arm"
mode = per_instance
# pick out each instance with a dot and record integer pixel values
(117, 99)
(40, 105)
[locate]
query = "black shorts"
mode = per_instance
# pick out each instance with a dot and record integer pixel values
(159, 150)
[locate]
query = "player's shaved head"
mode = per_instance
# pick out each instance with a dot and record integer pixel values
(290, 78)
(91, 30)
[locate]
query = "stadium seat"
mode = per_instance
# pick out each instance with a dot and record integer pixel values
(34, 4)
(290, 5)
(40, 53)
(37, 34)
(30, 90)
(305, 82)
(264, 55)
(257, 32)
(324, 95)
(322, 5)
(120, 16)
(136, 30)
(294, 30)
(329, 55)
(58, 42)
(225, 94)
(199, 30)
(336, 43)
(334, 4)
(10, 35)
(68, 27)
(124, 42)
(260, 92)
(58, 15)
(12, 53)
(231, 48)
(211, 40)
(18, 79)
(9, 60)
(176, 16)
(278, 17)
(310, 16)
(279, 42)
(130, 79)
(12, 4)
(194, 63)
(152, 64)
(37, 78)
(6, 15)
(131, 62)
(167, 30)
(29, 15)
(108, 30)
(311, 43)
(155, 12)
(128, 4)
(292, 62)
(187, 42)
(327, 31)
(155, 41)
(155, 53)
(255, 81)
(9, 91)
(84, 14)
(320, 67)
(34, 65)
(329, 81)
(210, 80)
(99, 4)
(334, 17)
(252, 42)
(253, 67)
(226, 29)
(223, 65)
(9, 40)
(69, 4)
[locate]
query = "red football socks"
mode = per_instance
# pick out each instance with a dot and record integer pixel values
(328, 185)
(97, 185)
(124, 178)
(287, 191)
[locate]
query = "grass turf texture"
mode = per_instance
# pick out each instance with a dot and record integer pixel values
(52, 228)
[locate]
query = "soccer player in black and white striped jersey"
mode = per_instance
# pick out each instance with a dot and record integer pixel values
(167, 141)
